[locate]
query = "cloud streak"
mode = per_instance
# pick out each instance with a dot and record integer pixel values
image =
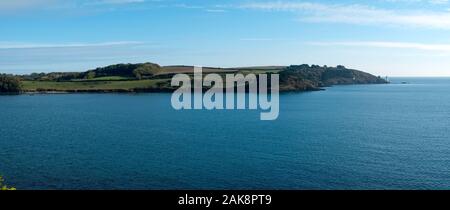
(9, 6)
(13, 45)
(397, 45)
(357, 14)
(106, 2)
(13, 5)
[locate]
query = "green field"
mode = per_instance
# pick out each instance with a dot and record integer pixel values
(258, 71)
(31, 86)
(119, 83)
(111, 78)
(121, 77)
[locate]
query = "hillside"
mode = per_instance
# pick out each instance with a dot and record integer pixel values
(305, 77)
(150, 77)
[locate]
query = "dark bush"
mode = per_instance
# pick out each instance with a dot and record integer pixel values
(10, 84)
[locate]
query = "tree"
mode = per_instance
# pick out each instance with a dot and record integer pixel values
(3, 186)
(90, 75)
(138, 75)
(146, 70)
(128, 70)
(10, 84)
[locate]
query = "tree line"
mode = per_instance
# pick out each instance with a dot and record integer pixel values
(10, 84)
(133, 71)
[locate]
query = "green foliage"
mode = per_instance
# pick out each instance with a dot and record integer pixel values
(90, 75)
(93, 85)
(137, 71)
(3, 186)
(150, 76)
(69, 76)
(54, 76)
(9, 84)
(110, 78)
(146, 70)
(128, 70)
(305, 77)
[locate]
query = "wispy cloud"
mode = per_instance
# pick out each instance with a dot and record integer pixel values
(12, 6)
(440, 2)
(15, 45)
(188, 6)
(398, 45)
(9, 5)
(357, 14)
(215, 10)
(106, 2)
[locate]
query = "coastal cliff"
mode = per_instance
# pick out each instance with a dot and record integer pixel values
(308, 78)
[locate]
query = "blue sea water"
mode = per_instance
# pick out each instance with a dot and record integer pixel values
(394, 136)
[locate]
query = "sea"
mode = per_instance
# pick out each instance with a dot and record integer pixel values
(388, 136)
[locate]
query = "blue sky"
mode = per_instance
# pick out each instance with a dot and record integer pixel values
(383, 37)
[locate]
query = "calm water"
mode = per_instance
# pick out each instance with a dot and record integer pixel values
(393, 136)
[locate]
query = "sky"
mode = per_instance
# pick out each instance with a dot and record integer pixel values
(383, 37)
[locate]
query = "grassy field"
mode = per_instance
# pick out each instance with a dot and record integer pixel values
(118, 83)
(206, 70)
(189, 70)
(31, 86)
(111, 78)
